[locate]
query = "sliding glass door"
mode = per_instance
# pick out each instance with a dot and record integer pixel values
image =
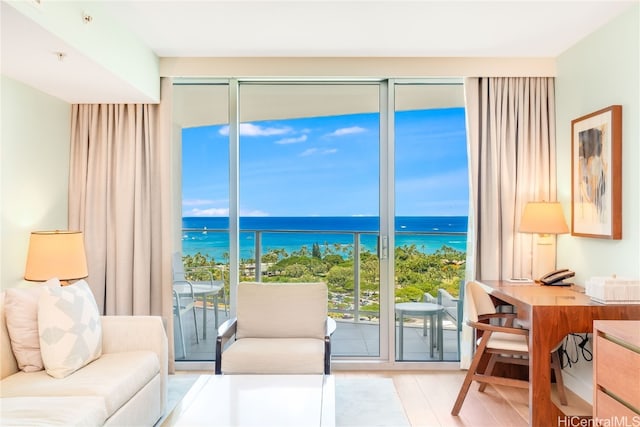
(309, 197)
(359, 184)
(201, 123)
(431, 205)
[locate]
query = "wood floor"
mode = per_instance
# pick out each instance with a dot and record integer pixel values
(428, 397)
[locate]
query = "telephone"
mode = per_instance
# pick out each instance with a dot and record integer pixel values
(556, 278)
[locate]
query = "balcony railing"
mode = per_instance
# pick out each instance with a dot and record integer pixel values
(352, 249)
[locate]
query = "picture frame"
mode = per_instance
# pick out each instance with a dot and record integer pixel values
(596, 174)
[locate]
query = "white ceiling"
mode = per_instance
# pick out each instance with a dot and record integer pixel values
(294, 28)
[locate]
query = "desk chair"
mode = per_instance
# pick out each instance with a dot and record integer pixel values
(506, 344)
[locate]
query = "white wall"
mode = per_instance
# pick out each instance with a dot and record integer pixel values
(601, 70)
(34, 165)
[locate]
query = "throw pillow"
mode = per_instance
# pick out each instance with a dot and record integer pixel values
(21, 312)
(70, 328)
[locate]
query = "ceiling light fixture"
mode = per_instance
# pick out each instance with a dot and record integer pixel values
(86, 18)
(60, 55)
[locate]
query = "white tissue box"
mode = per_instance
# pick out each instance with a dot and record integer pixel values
(614, 290)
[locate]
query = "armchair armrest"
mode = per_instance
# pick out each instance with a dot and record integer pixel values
(495, 328)
(331, 328)
(225, 332)
(509, 318)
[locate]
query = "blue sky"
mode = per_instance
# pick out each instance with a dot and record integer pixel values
(328, 166)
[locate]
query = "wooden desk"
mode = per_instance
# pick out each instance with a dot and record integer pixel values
(551, 313)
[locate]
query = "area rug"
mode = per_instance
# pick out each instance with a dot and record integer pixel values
(368, 402)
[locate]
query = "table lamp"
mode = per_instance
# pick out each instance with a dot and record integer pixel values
(56, 254)
(544, 219)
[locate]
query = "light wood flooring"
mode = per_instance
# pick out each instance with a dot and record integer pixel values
(428, 396)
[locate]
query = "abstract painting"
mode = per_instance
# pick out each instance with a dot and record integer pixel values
(596, 171)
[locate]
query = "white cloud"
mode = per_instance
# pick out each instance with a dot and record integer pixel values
(249, 129)
(347, 131)
(207, 212)
(222, 212)
(311, 151)
(301, 138)
(252, 213)
(197, 202)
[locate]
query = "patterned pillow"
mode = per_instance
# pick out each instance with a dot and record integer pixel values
(69, 327)
(21, 312)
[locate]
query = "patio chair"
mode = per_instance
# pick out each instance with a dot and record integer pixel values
(280, 328)
(504, 343)
(184, 302)
(453, 310)
(202, 288)
(427, 297)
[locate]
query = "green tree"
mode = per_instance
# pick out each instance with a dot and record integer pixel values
(315, 251)
(340, 279)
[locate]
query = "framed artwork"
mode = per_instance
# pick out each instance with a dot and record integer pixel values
(596, 174)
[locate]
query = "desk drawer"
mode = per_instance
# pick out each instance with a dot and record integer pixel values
(610, 412)
(618, 370)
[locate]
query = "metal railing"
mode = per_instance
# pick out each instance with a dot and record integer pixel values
(254, 267)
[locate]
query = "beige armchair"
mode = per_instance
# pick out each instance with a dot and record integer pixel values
(280, 328)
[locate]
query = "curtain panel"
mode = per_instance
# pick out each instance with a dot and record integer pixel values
(120, 197)
(511, 143)
(512, 160)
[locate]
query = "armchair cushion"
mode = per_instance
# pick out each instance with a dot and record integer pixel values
(291, 310)
(274, 356)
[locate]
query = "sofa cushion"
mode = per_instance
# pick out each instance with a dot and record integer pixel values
(53, 411)
(291, 310)
(69, 326)
(275, 356)
(21, 311)
(115, 376)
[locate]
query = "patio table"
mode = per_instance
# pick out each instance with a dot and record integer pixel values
(422, 309)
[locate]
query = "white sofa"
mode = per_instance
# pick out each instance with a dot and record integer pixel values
(125, 386)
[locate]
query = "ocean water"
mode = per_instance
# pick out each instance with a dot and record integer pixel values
(209, 235)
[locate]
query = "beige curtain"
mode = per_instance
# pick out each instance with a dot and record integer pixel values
(511, 142)
(120, 197)
(511, 148)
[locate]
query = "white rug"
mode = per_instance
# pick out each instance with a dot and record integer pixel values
(368, 402)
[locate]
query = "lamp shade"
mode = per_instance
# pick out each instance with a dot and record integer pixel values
(56, 254)
(543, 218)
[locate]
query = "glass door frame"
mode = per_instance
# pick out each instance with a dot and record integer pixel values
(386, 221)
(387, 323)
